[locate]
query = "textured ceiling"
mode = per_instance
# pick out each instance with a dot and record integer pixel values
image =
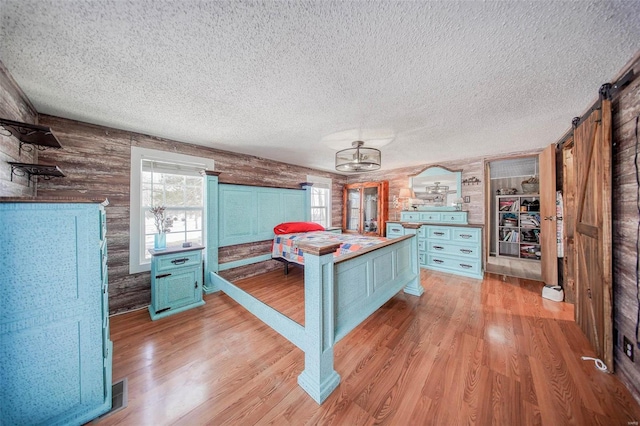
(425, 81)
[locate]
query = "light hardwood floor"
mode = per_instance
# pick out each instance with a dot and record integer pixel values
(466, 352)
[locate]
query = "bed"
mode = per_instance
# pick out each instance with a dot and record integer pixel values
(286, 247)
(339, 291)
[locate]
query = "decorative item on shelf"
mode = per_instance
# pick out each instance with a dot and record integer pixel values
(159, 241)
(506, 191)
(531, 185)
(405, 195)
(358, 158)
(163, 225)
(471, 181)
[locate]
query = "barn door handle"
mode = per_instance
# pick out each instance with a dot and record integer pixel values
(589, 293)
(549, 218)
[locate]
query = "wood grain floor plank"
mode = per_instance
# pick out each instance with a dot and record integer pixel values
(468, 351)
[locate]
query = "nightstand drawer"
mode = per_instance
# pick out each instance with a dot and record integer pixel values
(178, 260)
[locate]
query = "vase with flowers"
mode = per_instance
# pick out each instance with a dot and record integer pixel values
(163, 225)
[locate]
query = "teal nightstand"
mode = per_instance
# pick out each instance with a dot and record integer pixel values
(176, 280)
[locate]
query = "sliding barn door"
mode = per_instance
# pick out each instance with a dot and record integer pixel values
(592, 235)
(569, 221)
(548, 237)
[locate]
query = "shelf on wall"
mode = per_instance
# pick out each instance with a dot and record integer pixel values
(45, 171)
(30, 135)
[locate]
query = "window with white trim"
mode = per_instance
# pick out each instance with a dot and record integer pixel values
(160, 178)
(320, 200)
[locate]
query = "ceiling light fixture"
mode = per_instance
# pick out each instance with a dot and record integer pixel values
(358, 158)
(437, 189)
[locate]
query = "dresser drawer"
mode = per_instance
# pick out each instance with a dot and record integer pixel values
(431, 217)
(422, 245)
(454, 217)
(410, 216)
(469, 235)
(438, 232)
(178, 260)
(468, 251)
(455, 264)
(394, 230)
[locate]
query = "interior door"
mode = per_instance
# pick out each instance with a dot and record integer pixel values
(548, 248)
(592, 236)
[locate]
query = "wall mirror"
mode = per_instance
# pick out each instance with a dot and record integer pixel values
(436, 188)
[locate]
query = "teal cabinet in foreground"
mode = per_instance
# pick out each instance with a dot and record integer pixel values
(176, 280)
(55, 350)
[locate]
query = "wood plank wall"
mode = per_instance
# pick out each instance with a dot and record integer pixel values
(97, 160)
(626, 107)
(14, 105)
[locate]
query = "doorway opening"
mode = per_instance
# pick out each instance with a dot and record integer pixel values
(514, 220)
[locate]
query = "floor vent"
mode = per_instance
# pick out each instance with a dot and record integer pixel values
(118, 398)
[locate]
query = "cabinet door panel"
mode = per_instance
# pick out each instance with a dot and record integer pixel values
(177, 289)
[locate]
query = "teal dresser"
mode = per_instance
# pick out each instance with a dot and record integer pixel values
(445, 241)
(55, 351)
(176, 280)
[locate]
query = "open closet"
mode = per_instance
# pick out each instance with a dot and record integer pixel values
(514, 222)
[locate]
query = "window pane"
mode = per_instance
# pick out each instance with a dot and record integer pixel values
(175, 239)
(183, 197)
(193, 181)
(194, 237)
(193, 220)
(148, 244)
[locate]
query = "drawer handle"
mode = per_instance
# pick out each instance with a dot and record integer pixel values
(438, 261)
(464, 265)
(179, 261)
(466, 235)
(466, 251)
(438, 247)
(440, 234)
(195, 285)
(395, 230)
(162, 276)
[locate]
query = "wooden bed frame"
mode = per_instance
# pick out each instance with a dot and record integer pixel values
(339, 294)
